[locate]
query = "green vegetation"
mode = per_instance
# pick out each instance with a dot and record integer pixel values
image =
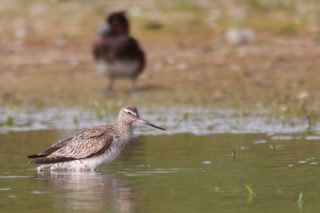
(251, 194)
(300, 201)
(9, 121)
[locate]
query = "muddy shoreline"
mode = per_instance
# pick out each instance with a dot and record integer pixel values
(191, 65)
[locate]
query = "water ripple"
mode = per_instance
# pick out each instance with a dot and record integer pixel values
(157, 171)
(13, 176)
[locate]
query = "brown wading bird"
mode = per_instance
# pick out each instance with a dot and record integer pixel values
(92, 147)
(117, 54)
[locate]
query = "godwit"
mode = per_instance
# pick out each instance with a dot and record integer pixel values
(117, 54)
(92, 147)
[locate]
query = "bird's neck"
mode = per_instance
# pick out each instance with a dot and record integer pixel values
(124, 128)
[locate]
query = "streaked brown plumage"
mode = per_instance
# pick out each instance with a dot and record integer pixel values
(92, 147)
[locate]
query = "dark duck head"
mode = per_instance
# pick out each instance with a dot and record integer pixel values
(116, 24)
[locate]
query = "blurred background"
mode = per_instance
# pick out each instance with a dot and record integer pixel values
(235, 82)
(222, 53)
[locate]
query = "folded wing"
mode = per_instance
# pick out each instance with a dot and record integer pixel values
(87, 144)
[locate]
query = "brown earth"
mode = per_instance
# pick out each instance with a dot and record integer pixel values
(195, 68)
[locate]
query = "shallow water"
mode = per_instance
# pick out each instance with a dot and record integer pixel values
(169, 173)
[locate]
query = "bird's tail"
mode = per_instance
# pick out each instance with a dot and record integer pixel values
(39, 160)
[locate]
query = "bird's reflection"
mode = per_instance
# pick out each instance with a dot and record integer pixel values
(91, 191)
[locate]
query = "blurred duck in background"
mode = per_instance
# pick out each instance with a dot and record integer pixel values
(116, 53)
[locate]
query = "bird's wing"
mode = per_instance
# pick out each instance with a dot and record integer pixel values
(89, 143)
(134, 49)
(100, 49)
(121, 47)
(52, 148)
(106, 48)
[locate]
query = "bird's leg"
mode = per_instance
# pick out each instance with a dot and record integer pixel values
(133, 86)
(41, 167)
(109, 88)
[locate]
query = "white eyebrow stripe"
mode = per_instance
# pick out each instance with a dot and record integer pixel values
(127, 111)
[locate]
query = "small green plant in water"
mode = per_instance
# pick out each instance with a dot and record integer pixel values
(186, 116)
(75, 120)
(311, 118)
(251, 194)
(300, 201)
(9, 121)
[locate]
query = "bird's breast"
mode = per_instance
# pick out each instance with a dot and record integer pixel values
(118, 68)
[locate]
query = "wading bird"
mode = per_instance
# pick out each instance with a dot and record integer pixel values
(92, 147)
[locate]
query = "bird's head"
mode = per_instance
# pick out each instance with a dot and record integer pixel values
(116, 24)
(130, 114)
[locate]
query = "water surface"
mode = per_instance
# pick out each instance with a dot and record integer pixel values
(169, 173)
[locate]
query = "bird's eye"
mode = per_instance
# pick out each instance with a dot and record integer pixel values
(130, 112)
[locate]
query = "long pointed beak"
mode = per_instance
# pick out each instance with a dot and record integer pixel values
(140, 120)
